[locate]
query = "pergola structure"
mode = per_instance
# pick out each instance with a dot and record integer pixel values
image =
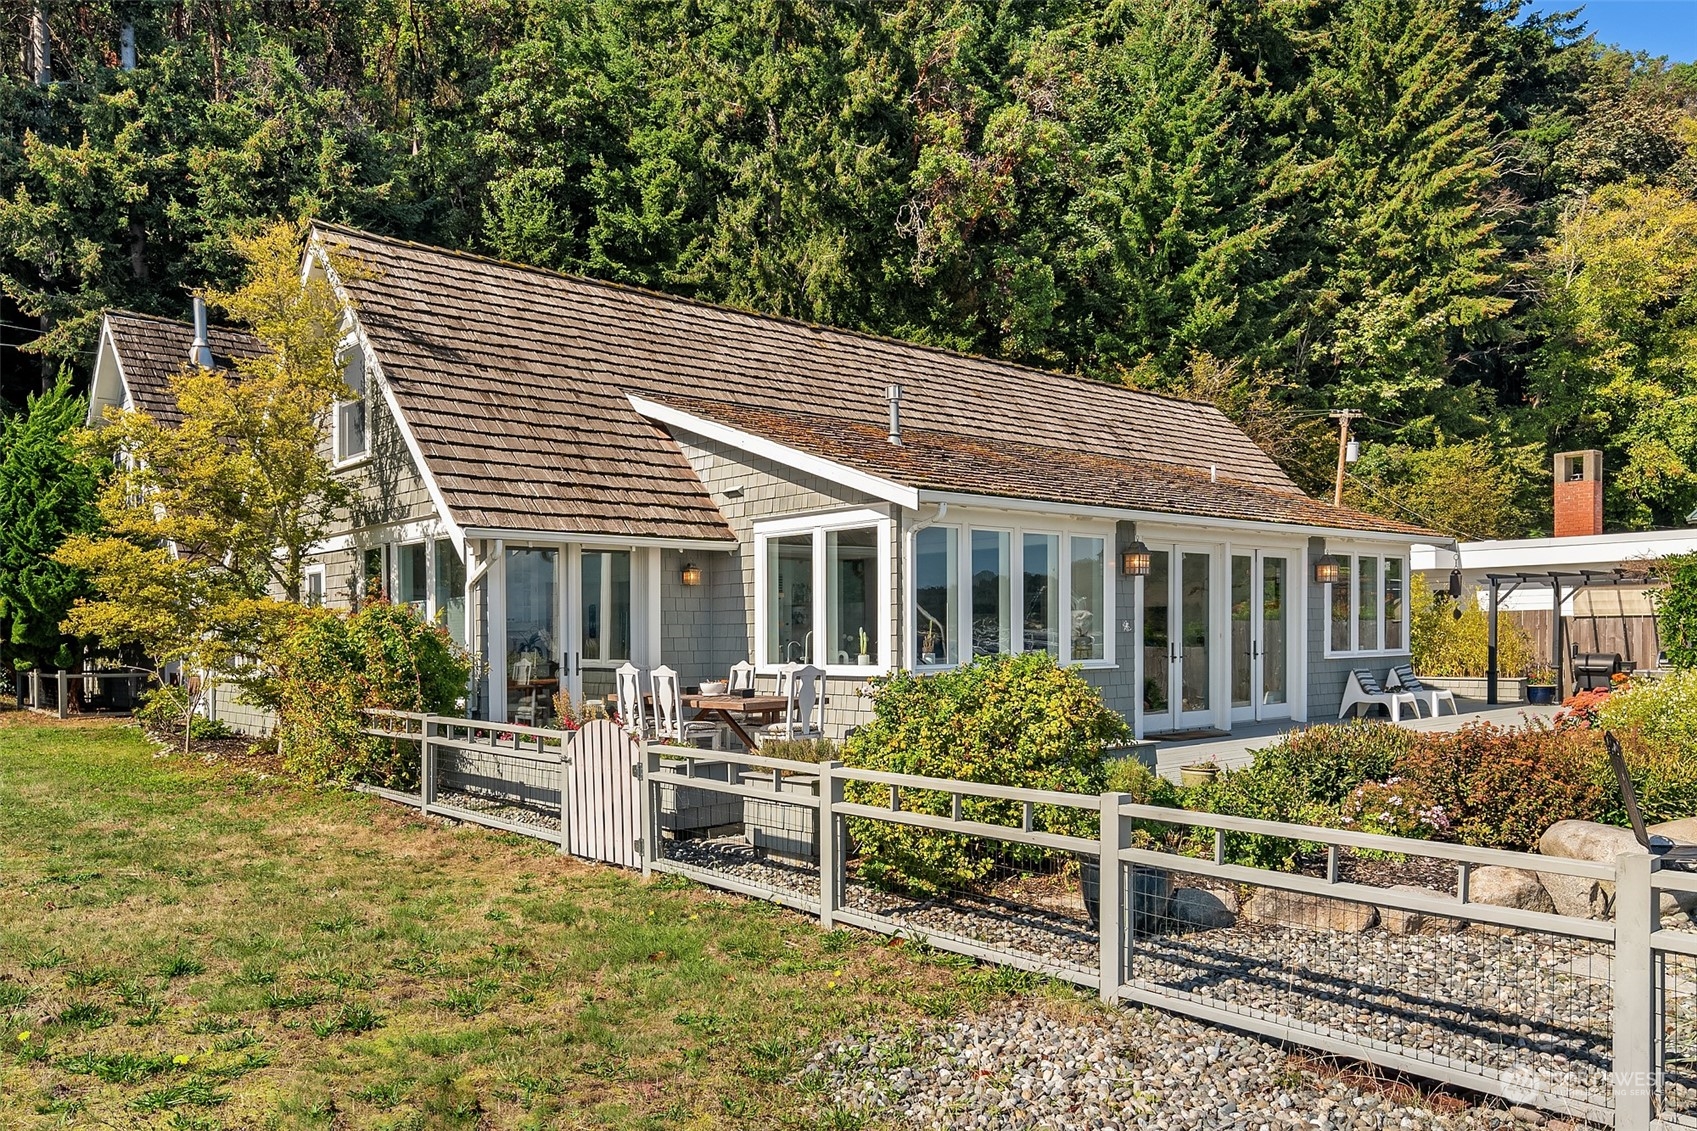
(1562, 583)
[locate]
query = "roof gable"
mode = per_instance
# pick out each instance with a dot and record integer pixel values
(146, 351)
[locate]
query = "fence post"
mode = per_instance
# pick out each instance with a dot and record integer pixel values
(426, 769)
(1112, 898)
(35, 688)
(64, 685)
(830, 843)
(650, 807)
(1635, 1073)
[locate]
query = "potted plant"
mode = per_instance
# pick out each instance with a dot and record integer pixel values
(864, 659)
(1198, 773)
(928, 645)
(1541, 684)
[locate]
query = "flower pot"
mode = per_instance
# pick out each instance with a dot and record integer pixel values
(863, 660)
(1200, 773)
(1540, 693)
(1152, 891)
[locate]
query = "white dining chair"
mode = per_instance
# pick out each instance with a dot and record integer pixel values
(669, 723)
(628, 694)
(804, 711)
(742, 677)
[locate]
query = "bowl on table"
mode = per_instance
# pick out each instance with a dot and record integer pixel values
(715, 686)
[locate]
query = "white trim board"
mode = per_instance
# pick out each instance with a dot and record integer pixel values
(840, 474)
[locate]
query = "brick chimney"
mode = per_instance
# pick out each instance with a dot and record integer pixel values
(1579, 493)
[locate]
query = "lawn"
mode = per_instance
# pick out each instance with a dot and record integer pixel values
(191, 945)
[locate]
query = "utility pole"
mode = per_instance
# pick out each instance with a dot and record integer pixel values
(1343, 416)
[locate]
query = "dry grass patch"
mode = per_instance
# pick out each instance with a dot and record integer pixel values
(207, 946)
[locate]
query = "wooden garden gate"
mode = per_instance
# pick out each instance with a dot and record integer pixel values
(601, 803)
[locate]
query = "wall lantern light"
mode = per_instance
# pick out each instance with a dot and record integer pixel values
(1326, 570)
(1134, 560)
(692, 574)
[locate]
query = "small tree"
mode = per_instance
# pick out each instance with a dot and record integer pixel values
(46, 495)
(1676, 608)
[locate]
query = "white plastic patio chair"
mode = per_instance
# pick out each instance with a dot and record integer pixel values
(804, 688)
(669, 722)
(1363, 690)
(628, 694)
(1402, 678)
(742, 677)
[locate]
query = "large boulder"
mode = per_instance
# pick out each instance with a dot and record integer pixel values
(1204, 909)
(1682, 831)
(1588, 840)
(1507, 887)
(1400, 921)
(1315, 912)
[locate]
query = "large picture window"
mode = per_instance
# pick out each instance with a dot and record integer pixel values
(1366, 611)
(983, 591)
(824, 587)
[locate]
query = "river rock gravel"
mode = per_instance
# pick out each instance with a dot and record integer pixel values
(1023, 1068)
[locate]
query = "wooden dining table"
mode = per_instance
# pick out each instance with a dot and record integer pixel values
(734, 710)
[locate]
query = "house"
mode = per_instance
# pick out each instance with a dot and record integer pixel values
(1598, 581)
(570, 474)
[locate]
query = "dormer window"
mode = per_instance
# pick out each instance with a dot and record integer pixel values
(351, 440)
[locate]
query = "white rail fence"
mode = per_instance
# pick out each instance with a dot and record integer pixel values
(1338, 952)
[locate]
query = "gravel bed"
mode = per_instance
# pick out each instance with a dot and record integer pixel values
(1024, 1069)
(499, 805)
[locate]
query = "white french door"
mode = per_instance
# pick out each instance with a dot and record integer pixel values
(1179, 687)
(1261, 633)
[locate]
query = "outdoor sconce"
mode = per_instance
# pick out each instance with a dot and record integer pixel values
(1326, 570)
(692, 574)
(1134, 560)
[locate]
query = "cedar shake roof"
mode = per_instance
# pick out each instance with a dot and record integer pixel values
(946, 461)
(151, 350)
(514, 381)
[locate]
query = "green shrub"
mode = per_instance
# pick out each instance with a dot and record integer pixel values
(1397, 806)
(1502, 787)
(1663, 712)
(1265, 791)
(1442, 644)
(1004, 720)
(1676, 608)
(1664, 777)
(1326, 761)
(163, 708)
(335, 665)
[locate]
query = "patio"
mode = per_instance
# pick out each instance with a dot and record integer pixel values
(1237, 748)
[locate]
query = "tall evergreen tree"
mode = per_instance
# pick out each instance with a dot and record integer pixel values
(46, 496)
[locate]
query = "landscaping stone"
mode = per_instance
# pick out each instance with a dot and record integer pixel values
(1682, 831)
(1314, 912)
(1204, 909)
(1399, 921)
(1588, 840)
(1508, 887)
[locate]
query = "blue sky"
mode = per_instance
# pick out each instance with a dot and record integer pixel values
(1661, 27)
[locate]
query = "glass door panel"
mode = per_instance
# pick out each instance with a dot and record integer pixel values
(532, 634)
(1274, 645)
(1195, 692)
(1157, 650)
(1243, 631)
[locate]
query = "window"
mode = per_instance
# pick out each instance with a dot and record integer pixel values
(1041, 576)
(350, 431)
(1365, 607)
(533, 656)
(606, 606)
(992, 590)
(312, 587)
(371, 574)
(936, 596)
(412, 585)
(851, 606)
(1015, 591)
(450, 591)
(824, 586)
(1090, 627)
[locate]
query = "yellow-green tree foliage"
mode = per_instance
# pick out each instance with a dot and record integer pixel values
(1445, 645)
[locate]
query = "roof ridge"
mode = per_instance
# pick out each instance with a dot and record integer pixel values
(781, 319)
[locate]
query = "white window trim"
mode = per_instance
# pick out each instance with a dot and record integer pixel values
(1378, 651)
(319, 572)
(1016, 588)
(819, 525)
(339, 461)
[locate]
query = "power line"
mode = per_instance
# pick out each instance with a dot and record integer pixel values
(1429, 523)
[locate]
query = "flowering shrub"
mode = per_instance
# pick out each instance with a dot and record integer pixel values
(1004, 720)
(1502, 787)
(1580, 711)
(336, 665)
(1662, 711)
(1394, 807)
